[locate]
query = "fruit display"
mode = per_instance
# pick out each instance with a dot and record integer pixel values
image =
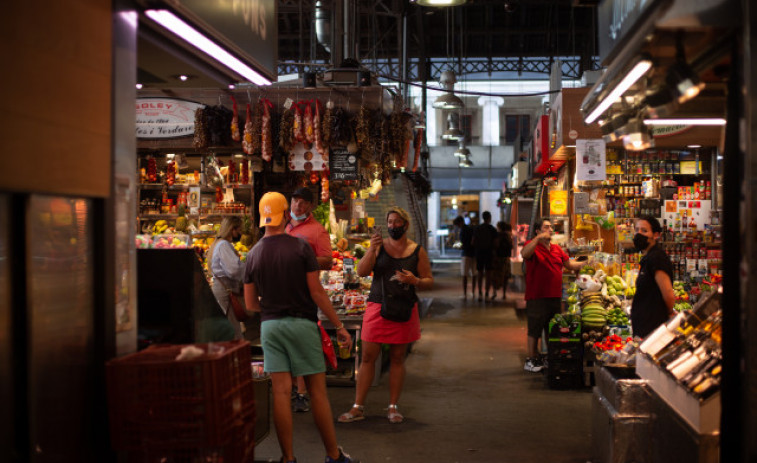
(598, 298)
(616, 350)
(169, 241)
(617, 316)
(680, 291)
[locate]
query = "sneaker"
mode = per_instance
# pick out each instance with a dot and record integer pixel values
(301, 403)
(533, 365)
(343, 458)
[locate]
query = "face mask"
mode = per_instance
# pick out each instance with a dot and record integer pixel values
(396, 232)
(640, 241)
(298, 218)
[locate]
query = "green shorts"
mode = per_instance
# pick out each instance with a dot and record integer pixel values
(292, 344)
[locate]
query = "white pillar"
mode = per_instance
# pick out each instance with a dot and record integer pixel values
(434, 206)
(490, 126)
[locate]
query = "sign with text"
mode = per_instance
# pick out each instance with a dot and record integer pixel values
(305, 159)
(342, 164)
(558, 202)
(249, 28)
(581, 202)
(165, 117)
(591, 160)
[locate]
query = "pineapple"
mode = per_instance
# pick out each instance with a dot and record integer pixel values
(246, 231)
(181, 221)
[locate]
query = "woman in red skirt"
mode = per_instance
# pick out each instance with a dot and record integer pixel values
(399, 266)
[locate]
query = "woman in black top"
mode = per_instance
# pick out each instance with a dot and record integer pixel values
(654, 299)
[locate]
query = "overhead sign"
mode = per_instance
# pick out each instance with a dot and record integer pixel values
(659, 131)
(541, 146)
(165, 117)
(248, 28)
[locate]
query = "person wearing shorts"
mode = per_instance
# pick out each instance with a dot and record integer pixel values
(544, 264)
(468, 260)
(281, 282)
(484, 237)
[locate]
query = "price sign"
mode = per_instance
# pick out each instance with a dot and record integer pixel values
(342, 164)
(348, 265)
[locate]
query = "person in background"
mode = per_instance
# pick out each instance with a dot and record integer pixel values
(281, 282)
(483, 245)
(227, 269)
(654, 299)
(399, 266)
(303, 225)
(544, 263)
(468, 260)
(503, 248)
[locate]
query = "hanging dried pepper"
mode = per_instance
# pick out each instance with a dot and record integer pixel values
(319, 146)
(328, 123)
(235, 135)
(363, 126)
(201, 129)
(298, 130)
(266, 138)
(286, 130)
(309, 129)
(245, 172)
(247, 141)
(418, 142)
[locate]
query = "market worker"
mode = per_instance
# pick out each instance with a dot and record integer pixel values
(281, 281)
(391, 317)
(303, 225)
(227, 268)
(544, 263)
(654, 298)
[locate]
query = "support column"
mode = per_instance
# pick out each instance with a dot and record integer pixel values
(491, 119)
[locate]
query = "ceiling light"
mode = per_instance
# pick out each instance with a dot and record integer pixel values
(440, 3)
(685, 81)
(639, 69)
(232, 86)
(139, 86)
(453, 132)
(693, 146)
(465, 162)
(462, 151)
(172, 22)
(183, 78)
(612, 130)
(687, 121)
(507, 200)
(637, 136)
(660, 102)
(449, 100)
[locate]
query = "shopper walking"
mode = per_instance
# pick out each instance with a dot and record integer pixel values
(227, 269)
(503, 248)
(391, 316)
(303, 225)
(654, 299)
(468, 259)
(484, 236)
(281, 281)
(544, 263)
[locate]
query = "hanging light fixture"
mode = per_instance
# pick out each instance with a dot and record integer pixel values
(462, 151)
(681, 78)
(465, 162)
(453, 131)
(449, 100)
(440, 3)
(637, 137)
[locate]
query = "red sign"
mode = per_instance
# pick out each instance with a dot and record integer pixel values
(542, 164)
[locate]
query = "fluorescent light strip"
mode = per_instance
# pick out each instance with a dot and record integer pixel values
(684, 121)
(639, 70)
(171, 22)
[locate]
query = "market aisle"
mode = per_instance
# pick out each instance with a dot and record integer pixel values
(466, 398)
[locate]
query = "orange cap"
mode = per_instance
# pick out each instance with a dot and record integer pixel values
(272, 207)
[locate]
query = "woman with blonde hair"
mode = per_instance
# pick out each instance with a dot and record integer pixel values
(227, 269)
(399, 266)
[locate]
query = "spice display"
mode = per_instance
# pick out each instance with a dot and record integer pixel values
(235, 135)
(318, 138)
(247, 142)
(298, 130)
(308, 121)
(266, 142)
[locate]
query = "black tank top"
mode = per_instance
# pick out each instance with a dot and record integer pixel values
(384, 269)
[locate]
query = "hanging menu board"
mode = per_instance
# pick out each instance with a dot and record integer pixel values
(342, 164)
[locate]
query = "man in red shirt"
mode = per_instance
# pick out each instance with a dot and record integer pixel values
(303, 225)
(544, 264)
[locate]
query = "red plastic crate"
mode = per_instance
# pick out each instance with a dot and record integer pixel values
(157, 402)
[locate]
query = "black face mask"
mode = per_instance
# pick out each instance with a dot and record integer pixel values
(640, 241)
(396, 232)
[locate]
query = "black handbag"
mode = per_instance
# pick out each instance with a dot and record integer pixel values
(397, 303)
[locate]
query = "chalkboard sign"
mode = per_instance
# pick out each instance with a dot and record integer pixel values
(342, 164)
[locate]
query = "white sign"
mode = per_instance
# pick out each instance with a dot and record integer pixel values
(305, 159)
(591, 160)
(165, 117)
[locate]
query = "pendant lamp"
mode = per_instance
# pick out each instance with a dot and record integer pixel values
(440, 3)
(449, 100)
(453, 131)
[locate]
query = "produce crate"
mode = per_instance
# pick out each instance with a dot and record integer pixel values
(159, 403)
(559, 350)
(564, 374)
(572, 331)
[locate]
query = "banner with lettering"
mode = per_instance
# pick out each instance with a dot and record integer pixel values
(165, 117)
(591, 160)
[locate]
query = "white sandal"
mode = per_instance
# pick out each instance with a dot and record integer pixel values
(349, 417)
(394, 415)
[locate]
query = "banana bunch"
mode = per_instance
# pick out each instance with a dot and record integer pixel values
(160, 227)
